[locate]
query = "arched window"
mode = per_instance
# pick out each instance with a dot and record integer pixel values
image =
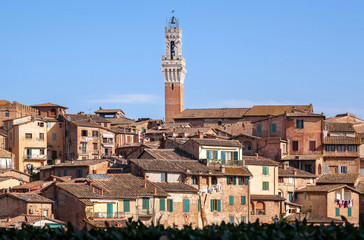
(172, 86)
(260, 208)
(319, 169)
(252, 208)
(173, 50)
(194, 180)
(247, 145)
(7, 114)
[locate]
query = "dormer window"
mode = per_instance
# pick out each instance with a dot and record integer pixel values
(194, 180)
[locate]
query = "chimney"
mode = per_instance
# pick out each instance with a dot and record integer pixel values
(294, 172)
(102, 192)
(256, 154)
(284, 166)
(93, 189)
(155, 191)
(200, 134)
(222, 169)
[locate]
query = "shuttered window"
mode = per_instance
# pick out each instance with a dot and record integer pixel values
(299, 124)
(216, 155)
(162, 204)
(163, 177)
(234, 180)
(312, 146)
(290, 196)
(265, 170)
(145, 203)
(170, 205)
(240, 180)
(266, 186)
(295, 145)
(337, 212)
(186, 205)
(274, 127)
(246, 181)
(199, 205)
(259, 128)
(349, 212)
(236, 155)
(223, 156)
(243, 200)
(126, 205)
(231, 200)
(208, 154)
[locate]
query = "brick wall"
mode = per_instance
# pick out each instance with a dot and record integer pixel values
(173, 100)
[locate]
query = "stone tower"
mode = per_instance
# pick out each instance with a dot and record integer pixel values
(174, 70)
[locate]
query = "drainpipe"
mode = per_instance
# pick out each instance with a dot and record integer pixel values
(248, 200)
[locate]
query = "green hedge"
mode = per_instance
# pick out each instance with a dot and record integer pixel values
(136, 230)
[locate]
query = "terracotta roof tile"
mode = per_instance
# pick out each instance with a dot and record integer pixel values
(271, 110)
(257, 197)
(5, 154)
(306, 157)
(109, 111)
(28, 197)
(76, 163)
(47, 105)
(324, 188)
(212, 113)
(167, 154)
(312, 218)
(259, 160)
(106, 223)
(16, 222)
(289, 172)
(176, 187)
(339, 127)
(335, 178)
(217, 142)
(342, 140)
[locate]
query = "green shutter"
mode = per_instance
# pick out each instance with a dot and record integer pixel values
(246, 181)
(265, 170)
(274, 127)
(337, 212)
(240, 180)
(349, 212)
(145, 203)
(223, 157)
(301, 123)
(290, 196)
(199, 205)
(236, 155)
(162, 204)
(126, 205)
(212, 205)
(110, 210)
(208, 154)
(216, 155)
(265, 185)
(219, 205)
(228, 180)
(259, 128)
(171, 205)
(234, 180)
(231, 200)
(65, 172)
(243, 200)
(186, 205)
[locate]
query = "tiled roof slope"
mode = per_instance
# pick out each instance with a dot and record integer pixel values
(48, 105)
(272, 110)
(259, 160)
(265, 197)
(324, 188)
(118, 186)
(176, 187)
(28, 197)
(166, 154)
(301, 157)
(4, 153)
(212, 113)
(342, 140)
(335, 178)
(217, 142)
(311, 218)
(289, 172)
(339, 127)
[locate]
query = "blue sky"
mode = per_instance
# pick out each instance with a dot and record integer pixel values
(86, 53)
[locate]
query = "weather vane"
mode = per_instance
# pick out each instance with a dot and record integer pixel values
(173, 11)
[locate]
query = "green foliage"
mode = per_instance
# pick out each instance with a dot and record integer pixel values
(137, 230)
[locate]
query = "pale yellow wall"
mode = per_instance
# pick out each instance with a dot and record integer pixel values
(203, 154)
(56, 145)
(9, 183)
(256, 182)
(171, 177)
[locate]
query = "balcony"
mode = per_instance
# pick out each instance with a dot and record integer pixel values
(35, 157)
(141, 213)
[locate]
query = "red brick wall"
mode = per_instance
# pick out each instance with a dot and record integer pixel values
(173, 100)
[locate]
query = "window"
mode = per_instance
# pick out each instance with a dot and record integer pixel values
(352, 148)
(145, 204)
(266, 186)
(240, 180)
(299, 124)
(49, 124)
(41, 124)
(243, 200)
(260, 208)
(274, 127)
(341, 148)
(54, 136)
(59, 173)
(65, 172)
(219, 123)
(223, 157)
(213, 180)
(41, 136)
(231, 219)
(343, 169)
(349, 212)
(259, 128)
(194, 180)
(127, 205)
(280, 194)
(28, 136)
(186, 205)
(290, 196)
(326, 169)
(231, 200)
(60, 125)
(163, 177)
(41, 151)
(243, 219)
(290, 180)
(170, 205)
(95, 146)
(246, 181)
(84, 133)
(330, 148)
(312, 146)
(216, 205)
(280, 180)
(78, 173)
(265, 170)
(105, 124)
(208, 154)
(362, 172)
(173, 50)
(143, 129)
(45, 213)
(83, 147)
(7, 114)
(231, 180)
(162, 204)
(337, 212)
(236, 155)
(319, 169)
(294, 145)
(95, 134)
(214, 155)
(199, 205)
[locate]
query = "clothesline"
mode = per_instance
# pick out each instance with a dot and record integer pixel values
(345, 203)
(210, 190)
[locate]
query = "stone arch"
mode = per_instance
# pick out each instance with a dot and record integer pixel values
(260, 208)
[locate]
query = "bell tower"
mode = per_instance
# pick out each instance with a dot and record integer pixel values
(174, 70)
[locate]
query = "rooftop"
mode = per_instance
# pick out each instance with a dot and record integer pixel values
(289, 172)
(212, 113)
(305, 157)
(5, 154)
(312, 218)
(335, 178)
(342, 140)
(47, 105)
(176, 187)
(28, 197)
(259, 160)
(76, 163)
(325, 188)
(216, 142)
(272, 110)
(257, 197)
(339, 127)
(166, 154)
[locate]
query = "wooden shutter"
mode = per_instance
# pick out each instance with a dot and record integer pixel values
(246, 181)
(219, 205)
(231, 200)
(223, 156)
(236, 155)
(240, 180)
(259, 128)
(337, 212)
(126, 205)
(312, 145)
(265, 170)
(349, 212)
(199, 205)
(234, 180)
(186, 205)
(208, 154)
(216, 155)
(228, 180)
(212, 205)
(171, 205)
(243, 200)
(162, 204)
(274, 127)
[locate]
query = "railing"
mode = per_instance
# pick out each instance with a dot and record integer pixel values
(226, 162)
(35, 157)
(140, 213)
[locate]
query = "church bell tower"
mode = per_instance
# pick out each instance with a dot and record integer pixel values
(174, 70)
